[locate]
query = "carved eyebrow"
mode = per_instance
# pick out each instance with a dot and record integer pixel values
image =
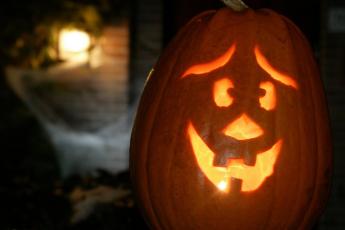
(212, 65)
(273, 72)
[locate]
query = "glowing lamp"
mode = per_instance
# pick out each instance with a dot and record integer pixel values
(74, 45)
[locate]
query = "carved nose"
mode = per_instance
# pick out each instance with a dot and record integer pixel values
(243, 128)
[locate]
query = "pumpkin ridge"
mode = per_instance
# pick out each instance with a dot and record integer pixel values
(180, 36)
(302, 69)
(279, 28)
(319, 153)
(296, 207)
(300, 123)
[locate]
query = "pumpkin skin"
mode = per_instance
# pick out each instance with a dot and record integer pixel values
(171, 187)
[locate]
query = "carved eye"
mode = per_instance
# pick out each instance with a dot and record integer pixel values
(221, 95)
(268, 101)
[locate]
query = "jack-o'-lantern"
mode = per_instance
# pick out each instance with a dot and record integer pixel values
(232, 129)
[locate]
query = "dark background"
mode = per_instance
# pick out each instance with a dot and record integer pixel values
(32, 195)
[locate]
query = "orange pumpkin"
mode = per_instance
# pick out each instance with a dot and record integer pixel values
(232, 129)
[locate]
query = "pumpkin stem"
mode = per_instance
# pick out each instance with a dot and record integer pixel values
(237, 5)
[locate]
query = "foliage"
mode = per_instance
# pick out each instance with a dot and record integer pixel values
(29, 29)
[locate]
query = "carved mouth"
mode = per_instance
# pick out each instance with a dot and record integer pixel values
(252, 176)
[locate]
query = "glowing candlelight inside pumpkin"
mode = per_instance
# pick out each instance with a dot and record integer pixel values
(74, 45)
(222, 186)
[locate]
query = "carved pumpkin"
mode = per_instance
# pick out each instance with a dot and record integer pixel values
(232, 128)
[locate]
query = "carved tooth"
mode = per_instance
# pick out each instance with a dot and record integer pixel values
(221, 160)
(249, 159)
